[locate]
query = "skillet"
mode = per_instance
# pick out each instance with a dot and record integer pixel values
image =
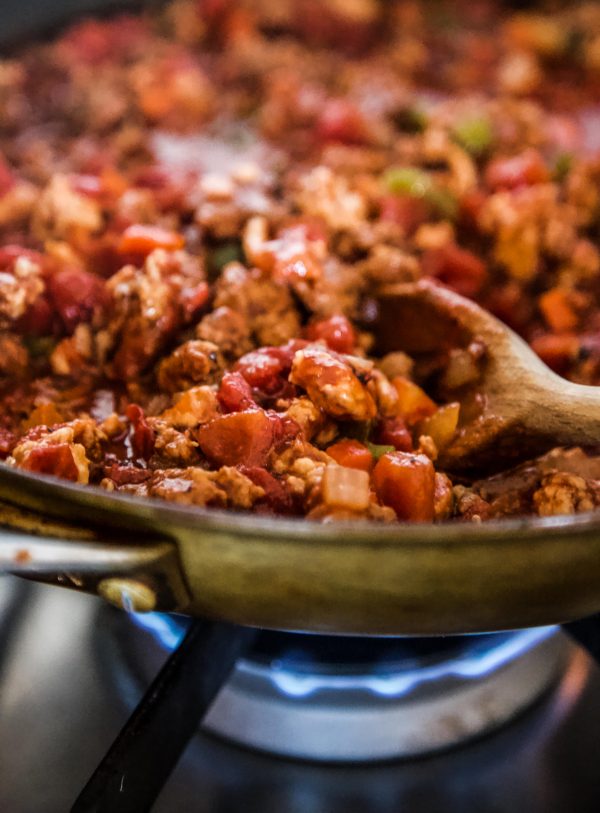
(354, 578)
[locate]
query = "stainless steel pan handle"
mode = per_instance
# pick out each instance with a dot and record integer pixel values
(135, 577)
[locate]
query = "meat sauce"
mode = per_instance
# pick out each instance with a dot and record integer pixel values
(198, 206)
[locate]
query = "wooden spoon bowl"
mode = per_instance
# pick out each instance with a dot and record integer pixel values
(524, 408)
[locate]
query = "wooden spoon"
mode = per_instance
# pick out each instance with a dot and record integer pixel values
(523, 407)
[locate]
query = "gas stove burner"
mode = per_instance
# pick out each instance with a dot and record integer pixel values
(331, 699)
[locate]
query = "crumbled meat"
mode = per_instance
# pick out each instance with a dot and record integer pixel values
(469, 505)
(60, 211)
(225, 488)
(200, 205)
(148, 306)
(309, 417)
(19, 289)
(14, 358)
(196, 406)
(172, 448)
(443, 497)
(195, 362)
(267, 306)
(228, 329)
(564, 493)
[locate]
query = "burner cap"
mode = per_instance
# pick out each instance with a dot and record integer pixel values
(340, 699)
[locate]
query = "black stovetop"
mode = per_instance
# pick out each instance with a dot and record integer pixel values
(59, 713)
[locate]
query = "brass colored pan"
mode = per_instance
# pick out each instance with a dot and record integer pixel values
(346, 578)
(355, 578)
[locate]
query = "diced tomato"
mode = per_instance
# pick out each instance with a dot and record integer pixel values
(89, 42)
(7, 178)
(393, 432)
(276, 498)
(565, 133)
(471, 205)
(352, 454)
(337, 332)
(38, 319)
(76, 295)
(139, 344)
(56, 459)
(95, 41)
(126, 475)
(406, 483)
(407, 211)
(194, 300)
(240, 438)
(235, 394)
(267, 368)
(211, 10)
(413, 403)
(337, 25)
(142, 436)
(525, 169)
(508, 303)
(101, 254)
(284, 428)
(557, 351)
(314, 228)
(8, 441)
(142, 240)
(107, 185)
(341, 120)
(10, 253)
(225, 20)
(460, 270)
(88, 185)
(152, 177)
(557, 310)
(169, 189)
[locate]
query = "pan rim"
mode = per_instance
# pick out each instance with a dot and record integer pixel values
(124, 510)
(116, 509)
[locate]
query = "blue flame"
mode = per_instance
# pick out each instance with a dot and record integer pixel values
(398, 684)
(168, 631)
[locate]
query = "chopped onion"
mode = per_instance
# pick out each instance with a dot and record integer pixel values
(346, 488)
(442, 425)
(462, 369)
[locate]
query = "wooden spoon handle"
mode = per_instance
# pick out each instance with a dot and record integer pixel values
(569, 413)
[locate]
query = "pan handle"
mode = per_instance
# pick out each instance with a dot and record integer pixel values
(135, 577)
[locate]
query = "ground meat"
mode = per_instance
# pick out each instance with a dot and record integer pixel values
(325, 195)
(469, 505)
(14, 358)
(225, 488)
(148, 306)
(19, 288)
(309, 417)
(60, 210)
(196, 406)
(171, 447)
(195, 362)
(201, 203)
(228, 329)
(386, 265)
(266, 305)
(444, 498)
(563, 493)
